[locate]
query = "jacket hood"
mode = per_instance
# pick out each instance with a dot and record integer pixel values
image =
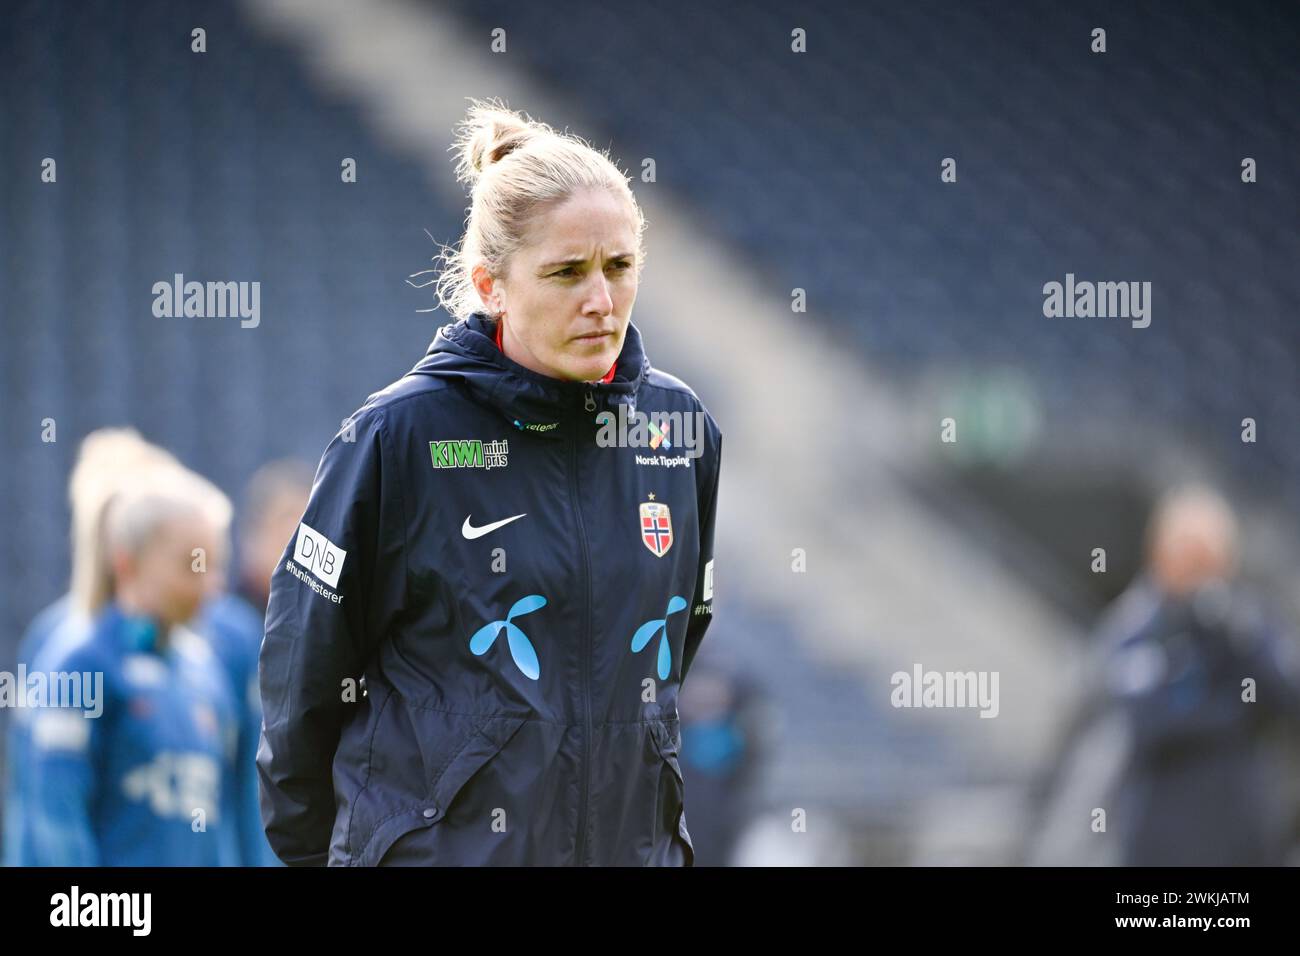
(466, 351)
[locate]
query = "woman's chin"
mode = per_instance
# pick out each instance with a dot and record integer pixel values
(586, 375)
(586, 368)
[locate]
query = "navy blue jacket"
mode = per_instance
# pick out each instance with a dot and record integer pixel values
(475, 641)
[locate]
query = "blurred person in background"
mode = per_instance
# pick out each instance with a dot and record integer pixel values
(107, 461)
(722, 748)
(110, 461)
(273, 502)
(1172, 739)
(137, 779)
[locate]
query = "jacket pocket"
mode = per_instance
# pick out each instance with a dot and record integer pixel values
(672, 796)
(485, 741)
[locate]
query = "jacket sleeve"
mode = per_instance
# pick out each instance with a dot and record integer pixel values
(336, 591)
(701, 609)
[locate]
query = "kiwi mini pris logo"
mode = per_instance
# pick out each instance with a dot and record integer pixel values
(469, 453)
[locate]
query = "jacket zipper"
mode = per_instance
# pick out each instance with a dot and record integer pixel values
(589, 404)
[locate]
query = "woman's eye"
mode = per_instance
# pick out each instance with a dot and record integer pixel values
(622, 265)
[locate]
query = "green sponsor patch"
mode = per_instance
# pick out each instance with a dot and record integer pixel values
(461, 453)
(469, 453)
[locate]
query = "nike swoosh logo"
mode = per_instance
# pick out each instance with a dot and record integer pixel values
(471, 532)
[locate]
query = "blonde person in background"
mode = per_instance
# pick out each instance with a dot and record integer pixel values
(110, 462)
(107, 461)
(133, 773)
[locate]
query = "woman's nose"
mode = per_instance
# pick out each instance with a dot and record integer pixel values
(598, 298)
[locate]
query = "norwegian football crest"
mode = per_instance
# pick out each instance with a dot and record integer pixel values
(656, 527)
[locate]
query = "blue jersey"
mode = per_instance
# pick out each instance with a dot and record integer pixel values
(132, 775)
(234, 629)
(58, 616)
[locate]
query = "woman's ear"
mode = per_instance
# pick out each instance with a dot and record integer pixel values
(490, 291)
(122, 565)
(498, 298)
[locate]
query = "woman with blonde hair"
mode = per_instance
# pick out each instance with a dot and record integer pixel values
(476, 638)
(108, 460)
(134, 771)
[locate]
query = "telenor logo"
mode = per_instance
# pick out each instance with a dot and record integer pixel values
(521, 648)
(319, 555)
(659, 627)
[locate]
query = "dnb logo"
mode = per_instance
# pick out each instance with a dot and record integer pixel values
(319, 555)
(656, 527)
